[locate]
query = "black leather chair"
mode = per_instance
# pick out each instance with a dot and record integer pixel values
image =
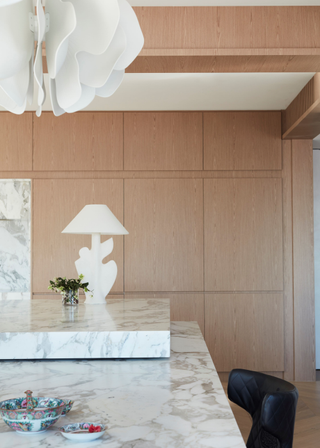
(272, 404)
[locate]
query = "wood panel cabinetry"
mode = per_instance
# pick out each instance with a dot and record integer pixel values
(245, 330)
(242, 141)
(219, 214)
(163, 141)
(303, 261)
(75, 142)
(164, 250)
(243, 221)
(16, 142)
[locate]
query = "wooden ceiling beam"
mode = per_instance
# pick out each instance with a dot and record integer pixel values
(207, 28)
(229, 39)
(245, 63)
(301, 119)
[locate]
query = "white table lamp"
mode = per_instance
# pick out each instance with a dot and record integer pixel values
(96, 220)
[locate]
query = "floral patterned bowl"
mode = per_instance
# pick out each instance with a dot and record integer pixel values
(69, 404)
(46, 412)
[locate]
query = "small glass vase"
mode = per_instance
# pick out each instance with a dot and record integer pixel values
(70, 298)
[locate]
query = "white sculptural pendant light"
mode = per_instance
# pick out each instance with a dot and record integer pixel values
(96, 220)
(89, 44)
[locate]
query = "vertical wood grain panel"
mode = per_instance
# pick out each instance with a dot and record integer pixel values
(183, 306)
(163, 141)
(242, 141)
(15, 142)
(164, 251)
(55, 204)
(245, 331)
(303, 260)
(287, 261)
(243, 235)
(83, 141)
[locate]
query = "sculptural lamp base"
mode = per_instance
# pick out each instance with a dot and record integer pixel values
(95, 296)
(100, 276)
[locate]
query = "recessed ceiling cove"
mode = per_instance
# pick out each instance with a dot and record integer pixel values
(200, 91)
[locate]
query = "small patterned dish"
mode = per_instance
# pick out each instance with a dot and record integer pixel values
(80, 432)
(69, 404)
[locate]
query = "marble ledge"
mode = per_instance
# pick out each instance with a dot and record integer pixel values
(44, 329)
(177, 402)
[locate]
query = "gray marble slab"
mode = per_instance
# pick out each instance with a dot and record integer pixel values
(15, 273)
(121, 328)
(176, 402)
(14, 256)
(15, 199)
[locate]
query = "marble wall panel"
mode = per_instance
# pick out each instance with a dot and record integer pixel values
(15, 275)
(15, 198)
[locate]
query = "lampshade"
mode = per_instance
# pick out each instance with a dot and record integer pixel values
(96, 218)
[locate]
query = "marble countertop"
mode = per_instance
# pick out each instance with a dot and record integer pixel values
(39, 315)
(177, 402)
(120, 328)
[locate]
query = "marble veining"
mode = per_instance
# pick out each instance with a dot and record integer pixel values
(15, 196)
(176, 402)
(49, 315)
(14, 256)
(15, 199)
(121, 328)
(15, 295)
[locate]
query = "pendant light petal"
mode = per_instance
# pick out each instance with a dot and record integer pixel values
(97, 22)
(38, 69)
(9, 2)
(57, 110)
(16, 87)
(87, 95)
(16, 39)
(10, 105)
(111, 85)
(31, 83)
(62, 24)
(68, 85)
(135, 39)
(96, 69)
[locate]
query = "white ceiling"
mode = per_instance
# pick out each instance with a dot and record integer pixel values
(224, 2)
(205, 91)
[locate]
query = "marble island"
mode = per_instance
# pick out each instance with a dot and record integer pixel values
(177, 402)
(44, 329)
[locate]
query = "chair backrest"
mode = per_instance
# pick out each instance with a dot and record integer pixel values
(272, 403)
